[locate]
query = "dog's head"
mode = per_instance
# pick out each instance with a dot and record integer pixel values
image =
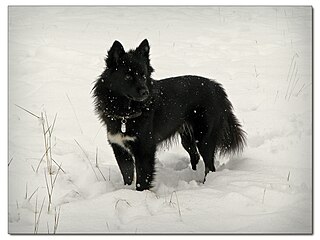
(129, 73)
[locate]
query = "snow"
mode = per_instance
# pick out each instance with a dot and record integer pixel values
(261, 55)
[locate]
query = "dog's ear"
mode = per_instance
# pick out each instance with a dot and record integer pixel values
(144, 48)
(114, 54)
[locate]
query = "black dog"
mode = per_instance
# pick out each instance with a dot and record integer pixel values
(140, 113)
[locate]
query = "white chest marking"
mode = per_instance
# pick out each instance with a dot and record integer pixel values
(120, 139)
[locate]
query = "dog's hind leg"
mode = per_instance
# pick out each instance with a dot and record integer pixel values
(189, 143)
(207, 148)
(125, 163)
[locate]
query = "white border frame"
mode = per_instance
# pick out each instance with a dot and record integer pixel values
(4, 95)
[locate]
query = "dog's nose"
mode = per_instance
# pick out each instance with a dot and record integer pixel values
(144, 92)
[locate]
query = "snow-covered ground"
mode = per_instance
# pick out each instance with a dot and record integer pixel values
(262, 56)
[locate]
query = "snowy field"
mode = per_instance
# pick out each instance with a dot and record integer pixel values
(263, 58)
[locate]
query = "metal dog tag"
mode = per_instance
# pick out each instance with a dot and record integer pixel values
(123, 125)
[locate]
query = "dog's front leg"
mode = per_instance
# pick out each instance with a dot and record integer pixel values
(144, 160)
(125, 162)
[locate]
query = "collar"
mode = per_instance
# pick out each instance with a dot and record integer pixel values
(134, 115)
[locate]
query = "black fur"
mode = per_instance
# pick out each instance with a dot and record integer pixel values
(194, 107)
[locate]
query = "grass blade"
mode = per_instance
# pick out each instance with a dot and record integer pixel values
(28, 111)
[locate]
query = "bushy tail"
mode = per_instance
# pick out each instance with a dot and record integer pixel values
(232, 138)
